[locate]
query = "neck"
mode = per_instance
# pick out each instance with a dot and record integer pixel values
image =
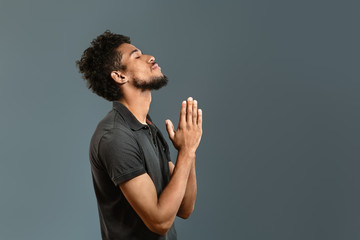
(138, 104)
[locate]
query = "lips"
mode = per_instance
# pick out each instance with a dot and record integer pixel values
(155, 66)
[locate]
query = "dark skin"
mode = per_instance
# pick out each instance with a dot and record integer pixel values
(178, 197)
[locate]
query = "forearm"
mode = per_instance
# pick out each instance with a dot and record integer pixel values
(171, 198)
(181, 190)
(188, 202)
(158, 213)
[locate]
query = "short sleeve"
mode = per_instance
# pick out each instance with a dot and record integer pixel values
(120, 154)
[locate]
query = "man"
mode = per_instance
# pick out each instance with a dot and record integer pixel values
(138, 189)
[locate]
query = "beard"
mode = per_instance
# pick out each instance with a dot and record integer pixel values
(155, 83)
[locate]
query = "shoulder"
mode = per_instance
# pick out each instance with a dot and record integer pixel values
(117, 135)
(113, 126)
(112, 131)
(118, 148)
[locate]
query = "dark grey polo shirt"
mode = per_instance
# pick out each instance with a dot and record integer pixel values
(123, 148)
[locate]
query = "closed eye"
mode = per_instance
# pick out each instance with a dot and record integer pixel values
(136, 52)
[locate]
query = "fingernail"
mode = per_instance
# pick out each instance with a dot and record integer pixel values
(195, 102)
(190, 98)
(184, 102)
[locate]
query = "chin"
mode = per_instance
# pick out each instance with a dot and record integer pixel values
(159, 75)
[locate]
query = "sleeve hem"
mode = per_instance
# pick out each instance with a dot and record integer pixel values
(128, 176)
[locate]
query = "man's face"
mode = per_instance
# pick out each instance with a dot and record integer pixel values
(142, 70)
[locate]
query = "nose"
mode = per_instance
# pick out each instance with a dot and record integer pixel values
(151, 59)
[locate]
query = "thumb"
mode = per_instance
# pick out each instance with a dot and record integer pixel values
(170, 129)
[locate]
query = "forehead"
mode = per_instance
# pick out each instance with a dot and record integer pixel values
(126, 49)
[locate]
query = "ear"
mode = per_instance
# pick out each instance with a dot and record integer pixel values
(119, 77)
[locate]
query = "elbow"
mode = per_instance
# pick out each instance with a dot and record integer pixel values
(161, 228)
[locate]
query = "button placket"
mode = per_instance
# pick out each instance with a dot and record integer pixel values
(150, 132)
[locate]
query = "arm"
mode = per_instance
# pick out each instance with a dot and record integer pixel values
(158, 213)
(188, 203)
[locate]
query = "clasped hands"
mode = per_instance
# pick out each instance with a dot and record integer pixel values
(188, 134)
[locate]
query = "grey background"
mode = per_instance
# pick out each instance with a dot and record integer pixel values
(278, 82)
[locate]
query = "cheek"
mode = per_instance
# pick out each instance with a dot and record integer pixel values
(134, 70)
(142, 72)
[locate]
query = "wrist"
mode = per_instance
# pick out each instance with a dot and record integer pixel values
(187, 153)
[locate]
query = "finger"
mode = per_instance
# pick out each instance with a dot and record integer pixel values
(170, 129)
(194, 118)
(182, 120)
(199, 120)
(189, 110)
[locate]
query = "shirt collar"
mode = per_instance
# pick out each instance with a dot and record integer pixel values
(129, 118)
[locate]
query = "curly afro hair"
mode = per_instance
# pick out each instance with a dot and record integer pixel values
(99, 60)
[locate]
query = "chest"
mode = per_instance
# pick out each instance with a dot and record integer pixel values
(155, 157)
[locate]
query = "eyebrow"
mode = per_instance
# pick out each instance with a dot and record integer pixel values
(134, 51)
